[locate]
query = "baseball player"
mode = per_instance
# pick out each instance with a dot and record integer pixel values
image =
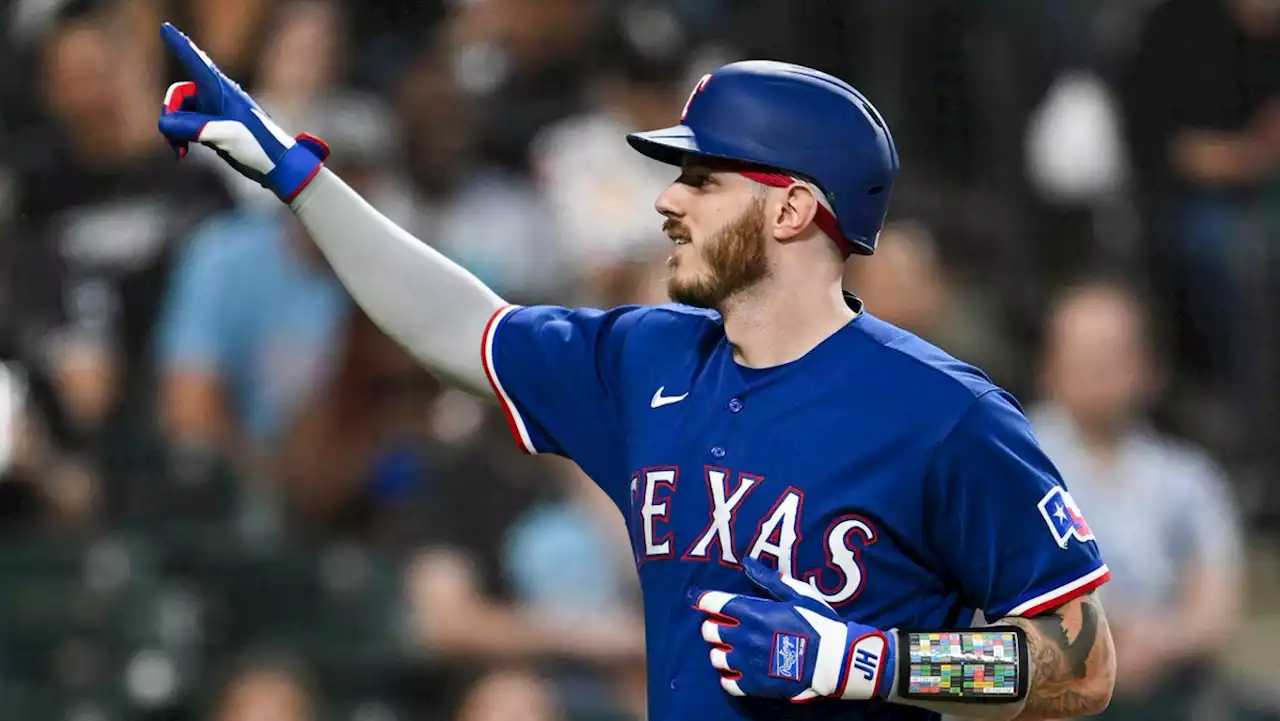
(818, 501)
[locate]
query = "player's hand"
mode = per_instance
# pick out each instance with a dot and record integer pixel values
(214, 111)
(795, 647)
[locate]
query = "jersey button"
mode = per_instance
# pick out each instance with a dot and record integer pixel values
(735, 405)
(717, 451)
(675, 684)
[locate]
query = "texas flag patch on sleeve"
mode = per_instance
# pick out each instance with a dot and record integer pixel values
(1064, 518)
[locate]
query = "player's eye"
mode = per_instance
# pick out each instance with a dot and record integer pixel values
(695, 180)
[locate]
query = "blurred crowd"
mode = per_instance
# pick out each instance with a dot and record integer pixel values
(226, 495)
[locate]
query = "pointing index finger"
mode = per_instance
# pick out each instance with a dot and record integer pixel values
(205, 74)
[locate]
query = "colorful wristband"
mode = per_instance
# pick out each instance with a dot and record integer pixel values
(986, 665)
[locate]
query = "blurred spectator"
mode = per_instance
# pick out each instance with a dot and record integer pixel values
(250, 328)
(601, 192)
(250, 325)
(1203, 126)
(464, 600)
(298, 81)
(230, 31)
(1206, 120)
(101, 209)
(570, 558)
(1161, 510)
(905, 283)
(521, 61)
(511, 695)
(38, 486)
(353, 448)
(642, 279)
(484, 217)
(389, 34)
(267, 689)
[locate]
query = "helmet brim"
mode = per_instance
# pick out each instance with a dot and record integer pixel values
(668, 145)
(674, 144)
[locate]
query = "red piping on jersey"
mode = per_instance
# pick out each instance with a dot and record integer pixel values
(1066, 597)
(491, 374)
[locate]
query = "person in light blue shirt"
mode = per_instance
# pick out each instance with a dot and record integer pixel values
(248, 330)
(1162, 509)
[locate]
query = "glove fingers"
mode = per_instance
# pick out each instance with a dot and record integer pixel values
(711, 632)
(720, 662)
(181, 126)
(729, 675)
(201, 68)
(730, 686)
(713, 602)
(177, 96)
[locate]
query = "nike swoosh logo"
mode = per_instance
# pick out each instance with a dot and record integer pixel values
(660, 400)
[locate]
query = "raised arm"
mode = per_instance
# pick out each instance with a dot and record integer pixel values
(426, 302)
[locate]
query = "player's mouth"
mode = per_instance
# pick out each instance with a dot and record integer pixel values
(678, 235)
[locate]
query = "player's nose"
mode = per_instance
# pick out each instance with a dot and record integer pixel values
(670, 202)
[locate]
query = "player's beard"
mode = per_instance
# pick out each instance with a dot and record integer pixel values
(735, 259)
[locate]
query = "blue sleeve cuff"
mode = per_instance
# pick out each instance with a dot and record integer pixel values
(1050, 596)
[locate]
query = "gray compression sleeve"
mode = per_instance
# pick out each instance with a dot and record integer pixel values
(430, 305)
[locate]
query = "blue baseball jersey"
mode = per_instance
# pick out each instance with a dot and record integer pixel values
(900, 482)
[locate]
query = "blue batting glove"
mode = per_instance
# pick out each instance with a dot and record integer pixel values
(214, 111)
(796, 647)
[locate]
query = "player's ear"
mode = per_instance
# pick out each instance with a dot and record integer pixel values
(795, 212)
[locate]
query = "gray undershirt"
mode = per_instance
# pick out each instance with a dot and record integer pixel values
(426, 302)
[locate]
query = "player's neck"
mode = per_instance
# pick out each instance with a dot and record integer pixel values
(768, 327)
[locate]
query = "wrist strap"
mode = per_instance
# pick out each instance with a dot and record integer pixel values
(293, 171)
(987, 665)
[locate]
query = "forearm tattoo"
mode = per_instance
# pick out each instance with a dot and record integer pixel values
(1068, 646)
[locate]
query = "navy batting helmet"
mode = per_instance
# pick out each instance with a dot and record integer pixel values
(798, 121)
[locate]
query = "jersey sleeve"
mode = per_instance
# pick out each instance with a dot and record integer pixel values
(557, 373)
(1002, 520)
